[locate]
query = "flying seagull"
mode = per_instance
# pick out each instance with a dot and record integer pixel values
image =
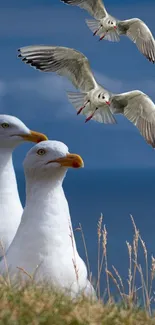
(13, 132)
(93, 100)
(110, 28)
(45, 243)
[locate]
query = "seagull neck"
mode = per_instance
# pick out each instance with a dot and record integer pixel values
(47, 207)
(8, 183)
(42, 187)
(6, 156)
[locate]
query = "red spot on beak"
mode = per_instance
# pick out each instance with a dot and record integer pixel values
(115, 27)
(108, 103)
(75, 164)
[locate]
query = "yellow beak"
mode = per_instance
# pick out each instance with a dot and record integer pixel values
(70, 160)
(34, 137)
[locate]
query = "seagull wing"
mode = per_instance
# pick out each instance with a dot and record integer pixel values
(62, 60)
(95, 8)
(141, 35)
(138, 108)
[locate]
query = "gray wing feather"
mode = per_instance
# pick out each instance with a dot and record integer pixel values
(94, 7)
(140, 34)
(138, 108)
(64, 61)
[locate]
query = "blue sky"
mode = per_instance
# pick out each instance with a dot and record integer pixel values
(40, 100)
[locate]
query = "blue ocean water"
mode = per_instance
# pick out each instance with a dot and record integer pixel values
(117, 194)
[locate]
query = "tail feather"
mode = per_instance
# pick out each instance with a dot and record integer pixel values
(104, 115)
(112, 36)
(77, 99)
(94, 26)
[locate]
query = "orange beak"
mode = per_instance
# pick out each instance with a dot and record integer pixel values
(70, 160)
(34, 137)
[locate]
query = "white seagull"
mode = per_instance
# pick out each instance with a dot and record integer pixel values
(44, 243)
(12, 133)
(95, 102)
(110, 28)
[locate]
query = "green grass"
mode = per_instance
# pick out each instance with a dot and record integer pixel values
(34, 304)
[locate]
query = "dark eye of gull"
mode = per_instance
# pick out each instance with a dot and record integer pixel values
(41, 152)
(5, 125)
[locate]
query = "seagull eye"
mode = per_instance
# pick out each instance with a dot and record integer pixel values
(41, 152)
(103, 97)
(5, 125)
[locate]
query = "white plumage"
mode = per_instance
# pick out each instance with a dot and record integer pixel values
(110, 28)
(44, 243)
(12, 133)
(95, 101)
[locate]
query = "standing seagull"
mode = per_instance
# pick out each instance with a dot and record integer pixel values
(110, 28)
(12, 133)
(95, 102)
(44, 243)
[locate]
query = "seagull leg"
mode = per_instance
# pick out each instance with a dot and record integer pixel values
(90, 117)
(96, 31)
(101, 38)
(81, 108)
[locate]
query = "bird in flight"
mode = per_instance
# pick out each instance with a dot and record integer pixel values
(109, 28)
(93, 100)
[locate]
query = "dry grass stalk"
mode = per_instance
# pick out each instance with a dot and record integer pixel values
(5, 264)
(116, 284)
(25, 272)
(86, 252)
(74, 258)
(130, 269)
(146, 270)
(120, 280)
(152, 275)
(135, 253)
(104, 233)
(99, 263)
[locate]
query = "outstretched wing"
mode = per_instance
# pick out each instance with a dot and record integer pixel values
(95, 8)
(62, 60)
(138, 108)
(141, 35)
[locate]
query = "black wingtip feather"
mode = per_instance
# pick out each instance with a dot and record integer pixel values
(66, 1)
(19, 55)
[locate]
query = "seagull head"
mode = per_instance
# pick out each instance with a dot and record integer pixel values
(103, 98)
(49, 158)
(111, 23)
(13, 132)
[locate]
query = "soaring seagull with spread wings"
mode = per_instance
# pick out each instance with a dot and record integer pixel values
(110, 28)
(94, 100)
